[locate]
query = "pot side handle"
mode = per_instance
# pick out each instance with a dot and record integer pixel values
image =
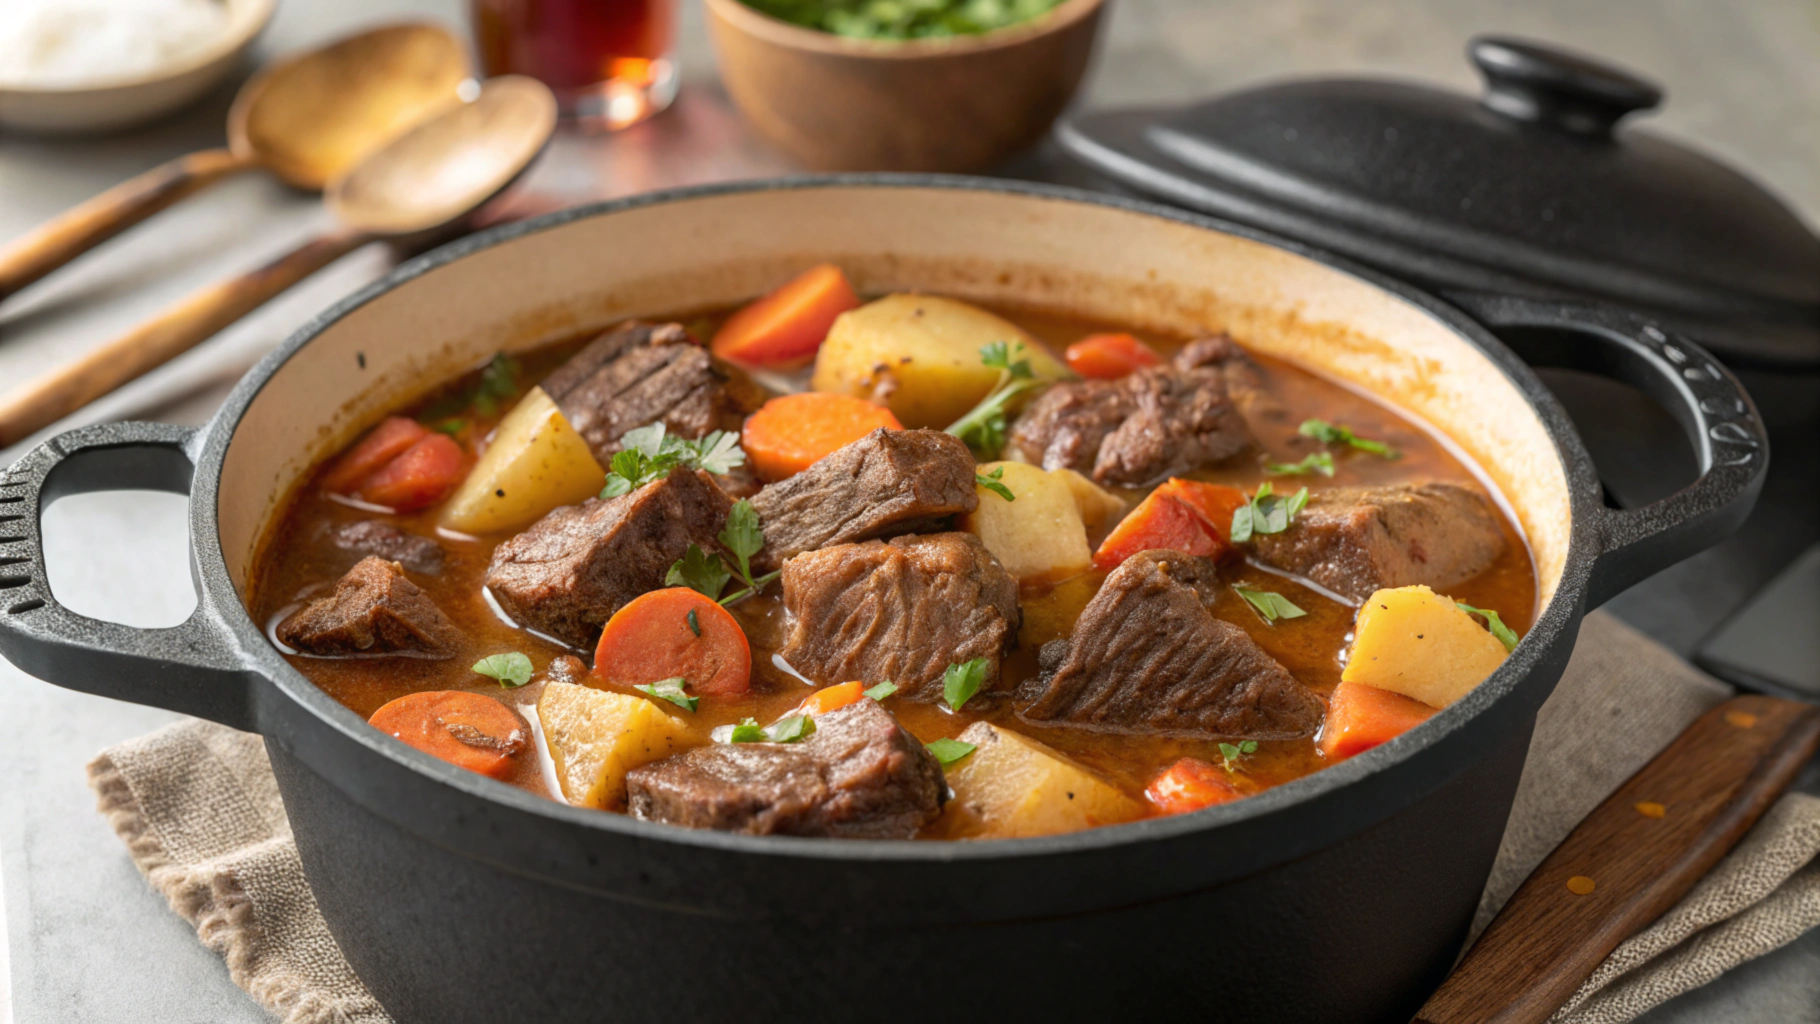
(1700, 393)
(192, 668)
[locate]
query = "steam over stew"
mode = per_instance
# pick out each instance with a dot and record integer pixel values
(947, 573)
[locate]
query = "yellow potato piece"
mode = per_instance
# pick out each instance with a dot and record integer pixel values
(595, 737)
(1037, 534)
(920, 356)
(1012, 786)
(1099, 507)
(537, 462)
(1413, 641)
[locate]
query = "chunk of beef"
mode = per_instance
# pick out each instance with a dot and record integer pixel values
(639, 373)
(372, 610)
(1355, 541)
(888, 482)
(860, 775)
(571, 570)
(902, 610)
(1146, 656)
(1157, 422)
(372, 537)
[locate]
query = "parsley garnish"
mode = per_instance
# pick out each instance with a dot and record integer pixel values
(1331, 433)
(700, 572)
(790, 729)
(694, 623)
(708, 574)
(1232, 754)
(498, 383)
(671, 690)
(1316, 462)
(747, 731)
(1505, 635)
(453, 426)
(1269, 604)
(512, 669)
(882, 690)
(994, 482)
(1266, 512)
(650, 453)
(949, 751)
(983, 428)
(961, 682)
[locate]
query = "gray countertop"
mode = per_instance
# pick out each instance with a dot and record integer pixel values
(89, 941)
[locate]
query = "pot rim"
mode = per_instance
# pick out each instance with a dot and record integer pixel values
(1558, 619)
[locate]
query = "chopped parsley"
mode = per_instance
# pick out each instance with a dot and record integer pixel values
(1269, 604)
(708, 574)
(651, 452)
(1333, 433)
(1505, 635)
(747, 731)
(994, 482)
(961, 682)
(694, 623)
(453, 426)
(949, 751)
(790, 729)
(497, 385)
(1266, 512)
(511, 670)
(882, 690)
(1316, 462)
(984, 426)
(700, 572)
(671, 690)
(1232, 753)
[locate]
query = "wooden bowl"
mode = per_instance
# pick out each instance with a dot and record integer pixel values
(956, 104)
(108, 104)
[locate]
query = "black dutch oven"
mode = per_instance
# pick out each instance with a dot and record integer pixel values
(1342, 896)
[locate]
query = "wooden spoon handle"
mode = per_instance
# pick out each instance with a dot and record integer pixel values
(178, 329)
(1629, 861)
(68, 236)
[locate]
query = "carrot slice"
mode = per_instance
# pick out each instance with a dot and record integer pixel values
(1107, 356)
(675, 632)
(381, 445)
(788, 434)
(833, 698)
(1191, 784)
(421, 477)
(468, 730)
(1215, 501)
(784, 329)
(1360, 717)
(1180, 515)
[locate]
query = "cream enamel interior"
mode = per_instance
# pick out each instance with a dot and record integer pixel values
(1017, 250)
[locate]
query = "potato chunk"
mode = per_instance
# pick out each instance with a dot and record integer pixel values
(537, 462)
(1012, 786)
(1413, 641)
(595, 737)
(1039, 533)
(920, 356)
(1099, 506)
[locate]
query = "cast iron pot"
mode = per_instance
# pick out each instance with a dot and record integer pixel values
(1343, 896)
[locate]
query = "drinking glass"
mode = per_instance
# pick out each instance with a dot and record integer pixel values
(610, 62)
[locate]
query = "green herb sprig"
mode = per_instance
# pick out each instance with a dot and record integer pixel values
(961, 682)
(994, 482)
(789, 729)
(1333, 433)
(671, 690)
(651, 452)
(882, 690)
(1505, 635)
(512, 670)
(1316, 462)
(1266, 512)
(1269, 604)
(497, 385)
(984, 426)
(1232, 753)
(948, 751)
(708, 575)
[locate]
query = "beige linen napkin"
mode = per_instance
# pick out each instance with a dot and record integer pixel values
(200, 814)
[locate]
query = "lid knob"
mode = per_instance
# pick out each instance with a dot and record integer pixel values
(1531, 82)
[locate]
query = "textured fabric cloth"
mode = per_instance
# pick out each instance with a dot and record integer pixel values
(200, 813)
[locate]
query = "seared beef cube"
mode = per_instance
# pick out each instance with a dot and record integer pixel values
(902, 610)
(860, 775)
(1146, 656)
(372, 537)
(372, 610)
(1158, 422)
(888, 482)
(1355, 541)
(639, 373)
(571, 570)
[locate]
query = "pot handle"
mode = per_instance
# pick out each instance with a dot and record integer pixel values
(1712, 407)
(192, 668)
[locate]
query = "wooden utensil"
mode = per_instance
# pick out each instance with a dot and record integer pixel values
(1630, 860)
(424, 182)
(306, 119)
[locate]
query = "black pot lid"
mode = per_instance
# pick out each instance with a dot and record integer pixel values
(1530, 188)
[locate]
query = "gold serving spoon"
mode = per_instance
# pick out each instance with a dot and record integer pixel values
(424, 183)
(307, 119)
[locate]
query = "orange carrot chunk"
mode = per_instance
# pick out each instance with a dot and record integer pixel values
(784, 329)
(1214, 501)
(421, 477)
(1191, 784)
(1360, 717)
(1181, 515)
(675, 632)
(468, 730)
(833, 698)
(1107, 356)
(786, 435)
(381, 445)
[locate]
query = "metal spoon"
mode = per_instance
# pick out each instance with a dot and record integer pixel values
(425, 182)
(307, 119)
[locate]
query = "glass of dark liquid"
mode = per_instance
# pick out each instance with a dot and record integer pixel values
(608, 61)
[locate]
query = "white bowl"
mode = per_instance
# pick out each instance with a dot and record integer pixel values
(118, 103)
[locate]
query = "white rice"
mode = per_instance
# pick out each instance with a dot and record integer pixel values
(72, 43)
